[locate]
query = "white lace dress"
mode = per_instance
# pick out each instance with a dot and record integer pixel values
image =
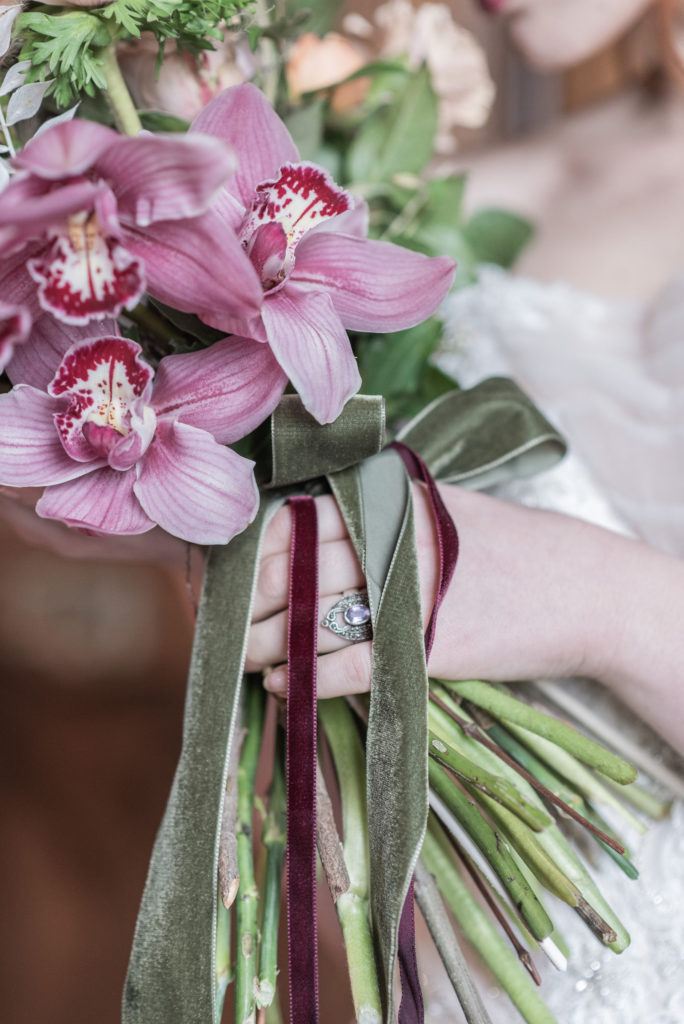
(611, 377)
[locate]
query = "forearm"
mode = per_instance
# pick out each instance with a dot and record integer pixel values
(541, 594)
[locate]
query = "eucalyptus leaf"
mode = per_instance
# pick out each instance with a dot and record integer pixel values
(15, 77)
(7, 17)
(398, 138)
(26, 101)
(497, 236)
(68, 115)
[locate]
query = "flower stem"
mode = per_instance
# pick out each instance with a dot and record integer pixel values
(498, 788)
(478, 928)
(248, 894)
(512, 711)
(352, 906)
(117, 94)
(273, 837)
(437, 919)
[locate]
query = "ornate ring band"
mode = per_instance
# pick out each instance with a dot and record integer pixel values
(350, 618)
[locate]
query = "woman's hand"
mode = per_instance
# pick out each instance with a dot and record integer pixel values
(534, 594)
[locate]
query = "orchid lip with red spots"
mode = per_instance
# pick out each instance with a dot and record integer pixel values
(120, 449)
(317, 272)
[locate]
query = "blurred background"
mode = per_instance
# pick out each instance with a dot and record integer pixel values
(569, 115)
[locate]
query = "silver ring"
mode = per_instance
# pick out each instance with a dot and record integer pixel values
(350, 618)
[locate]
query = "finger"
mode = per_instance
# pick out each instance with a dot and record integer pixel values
(338, 674)
(267, 643)
(338, 570)
(279, 531)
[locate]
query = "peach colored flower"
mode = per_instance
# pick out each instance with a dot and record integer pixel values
(455, 60)
(316, 64)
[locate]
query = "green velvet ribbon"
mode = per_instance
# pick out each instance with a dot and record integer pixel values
(485, 434)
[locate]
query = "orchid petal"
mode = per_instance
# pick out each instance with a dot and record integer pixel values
(165, 177)
(311, 345)
(37, 362)
(26, 212)
(65, 150)
(197, 267)
(243, 116)
(374, 286)
(15, 324)
(31, 454)
(194, 488)
(102, 503)
(353, 221)
(227, 390)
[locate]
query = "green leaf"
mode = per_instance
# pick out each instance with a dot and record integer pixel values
(497, 236)
(398, 138)
(189, 324)
(445, 198)
(434, 239)
(305, 125)
(393, 363)
(159, 121)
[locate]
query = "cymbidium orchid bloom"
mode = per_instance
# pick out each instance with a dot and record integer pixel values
(316, 272)
(15, 324)
(92, 219)
(120, 450)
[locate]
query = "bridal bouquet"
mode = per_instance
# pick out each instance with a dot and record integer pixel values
(189, 309)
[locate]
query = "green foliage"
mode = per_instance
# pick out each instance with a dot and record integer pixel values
(398, 366)
(66, 43)
(497, 236)
(398, 137)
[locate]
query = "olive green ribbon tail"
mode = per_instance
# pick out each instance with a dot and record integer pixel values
(476, 437)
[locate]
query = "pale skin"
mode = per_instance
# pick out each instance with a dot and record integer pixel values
(535, 595)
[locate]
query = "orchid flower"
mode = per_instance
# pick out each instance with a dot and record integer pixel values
(120, 450)
(317, 273)
(15, 324)
(92, 219)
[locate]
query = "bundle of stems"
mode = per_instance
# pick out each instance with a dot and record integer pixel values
(505, 779)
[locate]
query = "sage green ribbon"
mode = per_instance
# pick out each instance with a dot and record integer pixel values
(484, 434)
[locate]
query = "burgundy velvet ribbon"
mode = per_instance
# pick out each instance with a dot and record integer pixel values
(302, 648)
(411, 1009)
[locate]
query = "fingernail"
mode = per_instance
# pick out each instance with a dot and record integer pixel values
(276, 680)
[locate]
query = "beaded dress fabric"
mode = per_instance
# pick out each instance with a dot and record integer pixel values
(610, 376)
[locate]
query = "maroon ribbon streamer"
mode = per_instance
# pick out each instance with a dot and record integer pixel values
(411, 1009)
(302, 636)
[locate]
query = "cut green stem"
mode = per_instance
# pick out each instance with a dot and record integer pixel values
(352, 906)
(247, 904)
(273, 836)
(444, 938)
(494, 849)
(479, 929)
(497, 788)
(505, 707)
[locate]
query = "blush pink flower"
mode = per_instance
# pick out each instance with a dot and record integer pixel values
(119, 450)
(15, 324)
(317, 274)
(93, 219)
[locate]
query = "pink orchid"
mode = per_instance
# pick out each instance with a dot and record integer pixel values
(118, 451)
(317, 273)
(15, 324)
(93, 219)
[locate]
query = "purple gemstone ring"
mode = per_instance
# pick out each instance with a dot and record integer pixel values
(350, 618)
